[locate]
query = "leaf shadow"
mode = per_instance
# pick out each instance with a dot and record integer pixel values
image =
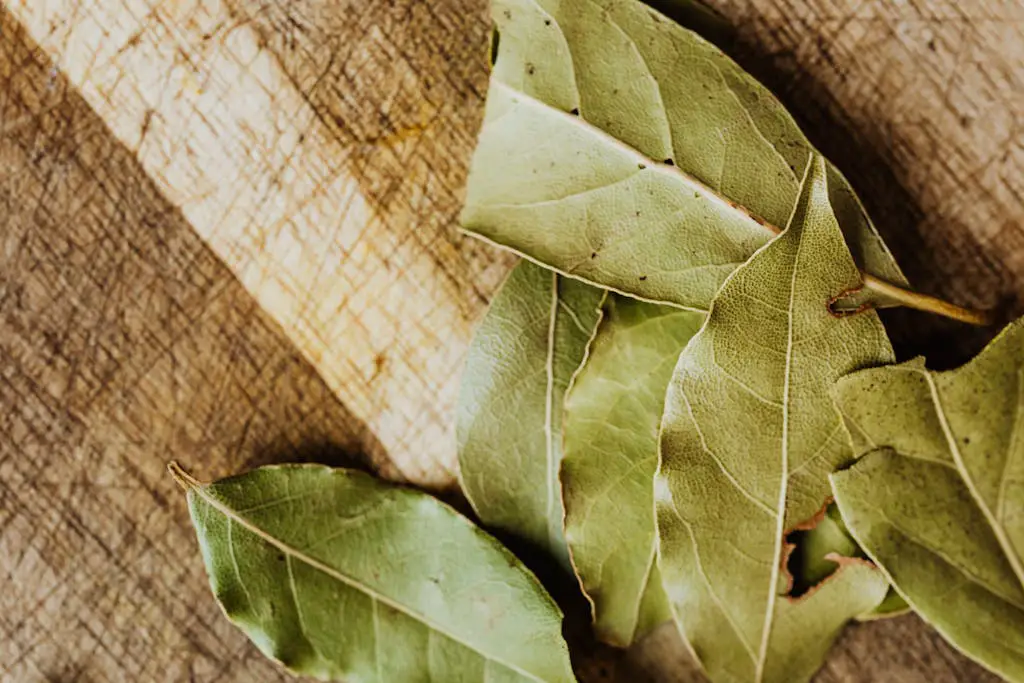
(593, 661)
(314, 451)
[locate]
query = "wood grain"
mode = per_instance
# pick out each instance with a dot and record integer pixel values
(339, 229)
(228, 239)
(921, 104)
(123, 342)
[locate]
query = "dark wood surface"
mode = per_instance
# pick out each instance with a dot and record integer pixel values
(141, 318)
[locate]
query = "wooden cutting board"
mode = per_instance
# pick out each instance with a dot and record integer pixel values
(228, 238)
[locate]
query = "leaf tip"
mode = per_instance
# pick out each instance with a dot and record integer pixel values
(183, 478)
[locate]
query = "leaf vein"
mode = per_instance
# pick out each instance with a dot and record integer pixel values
(349, 581)
(1013, 447)
(707, 582)
(963, 571)
(718, 461)
(954, 447)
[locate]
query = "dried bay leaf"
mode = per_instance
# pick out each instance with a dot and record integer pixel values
(624, 150)
(612, 415)
(816, 551)
(509, 417)
(747, 443)
(937, 500)
(892, 606)
(342, 577)
(819, 552)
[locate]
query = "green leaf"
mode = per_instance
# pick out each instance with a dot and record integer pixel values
(748, 440)
(624, 150)
(612, 414)
(938, 499)
(817, 548)
(819, 551)
(342, 577)
(509, 417)
(892, 606)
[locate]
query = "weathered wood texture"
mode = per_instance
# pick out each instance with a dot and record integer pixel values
(318, 149)
(227, 237)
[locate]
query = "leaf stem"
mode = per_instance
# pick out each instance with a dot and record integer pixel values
(183, 478)
(927, 303)
(900, 295)
(903, 297)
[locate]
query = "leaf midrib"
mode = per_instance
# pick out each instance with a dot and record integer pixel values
(551, 474)
(645, 586)
(662, 108)
(780, 530)
(578, 278)
(961, 466)
(615, 342)
(652, 164)
(333, 573)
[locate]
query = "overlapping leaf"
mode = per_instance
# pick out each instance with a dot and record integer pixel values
(509, 421)
(814, 549)
(938, 499)
(820, 551)
(612, 414)
(342, 577)
(748, 441)
(621, 149)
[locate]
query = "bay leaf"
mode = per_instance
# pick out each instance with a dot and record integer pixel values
(509, 416)
(340, 576)
(937, 500)
(892, 606)
(819, 551)
(624, 150)
(610, 432)
(748, 440)
(815, 550)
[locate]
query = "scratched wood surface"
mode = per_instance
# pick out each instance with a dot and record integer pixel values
(227, 238)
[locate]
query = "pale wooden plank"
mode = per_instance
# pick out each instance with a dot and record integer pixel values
(230, 139)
